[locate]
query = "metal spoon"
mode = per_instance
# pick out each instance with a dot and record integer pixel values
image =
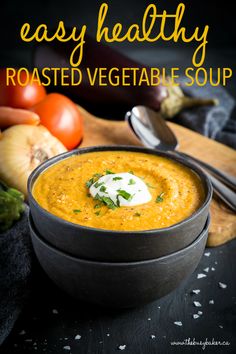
(153, 131)
(168, 141)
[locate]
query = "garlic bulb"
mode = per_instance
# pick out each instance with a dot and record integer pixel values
(22, 149)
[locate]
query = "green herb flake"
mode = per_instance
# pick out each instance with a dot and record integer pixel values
(159, 198)
(93, 179)
(108, 172)
(137, 214)
(97, 212)
(107, 201)
(97, 184)
(124, 194)
(117, 201)
(97, 197)
(116, 178)
(131, 181)
(131, 172)
(150, 186)
(97, 175)
(76, 211)
(89, 183)
(88, 195)
(103, 189)
(98, 205)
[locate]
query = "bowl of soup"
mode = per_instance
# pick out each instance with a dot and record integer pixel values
(118, 284)
(119, 203)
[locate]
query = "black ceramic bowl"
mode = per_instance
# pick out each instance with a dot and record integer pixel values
(118, 284)
(117, 246)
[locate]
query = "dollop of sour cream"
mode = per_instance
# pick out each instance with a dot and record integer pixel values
(124, 189)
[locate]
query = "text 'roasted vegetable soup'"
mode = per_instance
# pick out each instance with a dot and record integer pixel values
(119, 190)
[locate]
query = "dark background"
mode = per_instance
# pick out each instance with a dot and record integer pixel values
(219, 16)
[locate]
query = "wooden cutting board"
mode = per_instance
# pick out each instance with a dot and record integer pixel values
(107, 132)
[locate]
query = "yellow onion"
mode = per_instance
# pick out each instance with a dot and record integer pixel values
(22, 149)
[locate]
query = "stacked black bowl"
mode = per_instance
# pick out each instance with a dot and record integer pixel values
(117, 268)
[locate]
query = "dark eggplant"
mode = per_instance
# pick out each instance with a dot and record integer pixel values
(169, 100)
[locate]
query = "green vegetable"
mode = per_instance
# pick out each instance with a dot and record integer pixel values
(116, 178)
(96, 206)
(11, 206)
(159, 198)
(124, 194)
(103, 189)
(137, 214)
(97, 212)
(92, 180)
(97, 175)
(108, 172)
(97, 184)
(76, 211)
(131, 181)
(117, 201)
(89, 183)
(107, 201)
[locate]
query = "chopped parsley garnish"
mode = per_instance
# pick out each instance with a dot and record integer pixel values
(97, 175)
(116, 178)
(98, 205)
(150, 186)
(124, 194)
(88, 195)
(106, 200)
(117, 201)
(109, 202)
(97, 212)
(93, 180)
(108, 172)
(159, 198)
(97, 197)
(131, 172)
(97, 184)
(137, 214)
(89, 182)
(103, 189)
(76, 211)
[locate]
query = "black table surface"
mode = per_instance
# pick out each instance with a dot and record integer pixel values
(51, 320)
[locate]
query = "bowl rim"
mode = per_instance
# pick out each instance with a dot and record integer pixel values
(44, 242)
(168, 154)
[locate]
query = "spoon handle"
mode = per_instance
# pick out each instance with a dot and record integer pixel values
(220, 189)
(223, 192)
(225, 178)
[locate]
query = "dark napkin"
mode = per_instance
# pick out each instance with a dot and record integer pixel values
(215, 122)
(15, 273)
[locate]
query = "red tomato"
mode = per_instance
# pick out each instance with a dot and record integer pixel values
(20, 96)
(62, 118)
